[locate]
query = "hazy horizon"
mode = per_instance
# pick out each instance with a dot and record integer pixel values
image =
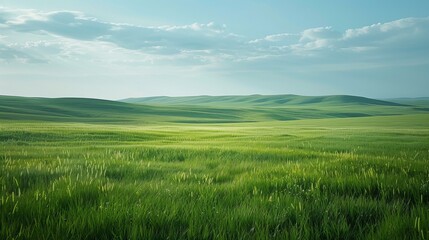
(225, 95)
(112, 50)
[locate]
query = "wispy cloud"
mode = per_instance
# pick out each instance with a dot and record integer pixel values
(409, 32)
(66, 42)
(155, 40)
(199, 43)
(10, 53)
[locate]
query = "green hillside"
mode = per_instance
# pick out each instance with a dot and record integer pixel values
(262, 100)
(287, 107)
(421, 102)
(96, 110)
(202, 109)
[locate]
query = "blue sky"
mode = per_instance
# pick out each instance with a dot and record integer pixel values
(120, 49)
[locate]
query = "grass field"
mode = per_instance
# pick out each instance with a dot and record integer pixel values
(70, 176)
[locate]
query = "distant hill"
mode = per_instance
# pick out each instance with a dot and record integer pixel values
(262, 100)
(201, 109)
(61, 108)
(97, 110)
(421, 101)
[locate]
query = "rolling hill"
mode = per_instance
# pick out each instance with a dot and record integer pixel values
(97, 110)
(200, 109)
(420, 102)
(262, 100)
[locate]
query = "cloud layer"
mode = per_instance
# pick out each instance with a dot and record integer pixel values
(204, 42)
(67, 38)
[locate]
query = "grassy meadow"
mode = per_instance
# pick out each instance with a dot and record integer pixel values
(207, 172)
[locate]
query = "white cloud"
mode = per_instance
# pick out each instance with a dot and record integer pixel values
(14, 53)
(76, 25)
(82, 38)
(402, 35)
(283, 38)
(63, 36)
(320, 33)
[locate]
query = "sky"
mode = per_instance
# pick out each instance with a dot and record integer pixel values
(131, 48)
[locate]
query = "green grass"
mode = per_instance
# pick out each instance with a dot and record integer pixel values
(350, 178)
